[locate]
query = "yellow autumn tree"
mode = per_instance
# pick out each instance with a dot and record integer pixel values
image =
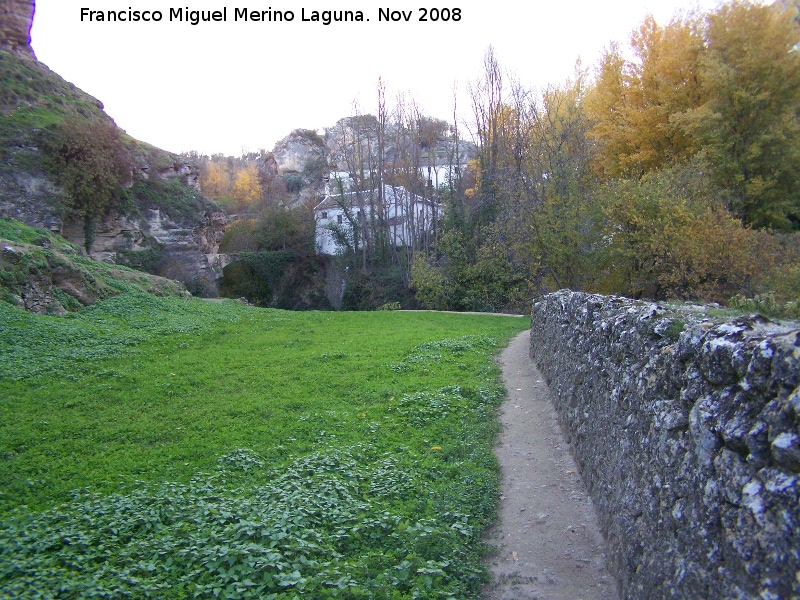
(246, 190)
(605, 104)
(665, 80)
(215, 181)
(632, 102)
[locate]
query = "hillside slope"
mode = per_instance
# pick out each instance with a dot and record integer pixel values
(159, 219)
(43, 273)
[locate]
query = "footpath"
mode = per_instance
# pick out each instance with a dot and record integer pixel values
(547, 541)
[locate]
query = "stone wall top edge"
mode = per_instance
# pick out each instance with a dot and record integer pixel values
(693, 316)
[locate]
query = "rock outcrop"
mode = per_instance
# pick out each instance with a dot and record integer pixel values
(182, 248)
(177, 241)
(687, 430)
(16, 19)
(298, 151)
(45, 278)
(32, 198)
(300, 161)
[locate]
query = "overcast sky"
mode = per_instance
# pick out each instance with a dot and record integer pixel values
(233, 86)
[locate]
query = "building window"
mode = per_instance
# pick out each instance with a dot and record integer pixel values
(339, 219)
(324, 215)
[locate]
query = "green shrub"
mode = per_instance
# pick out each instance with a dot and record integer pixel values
(148, 260)
(767, 305)
(390, 306)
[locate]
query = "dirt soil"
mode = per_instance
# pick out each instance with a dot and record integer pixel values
(548, 544)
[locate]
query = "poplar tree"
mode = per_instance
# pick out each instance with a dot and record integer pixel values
(748, 127)
(632, 102)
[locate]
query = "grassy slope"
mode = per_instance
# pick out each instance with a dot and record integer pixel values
(29, 254)
(32, 97)
(137, 395)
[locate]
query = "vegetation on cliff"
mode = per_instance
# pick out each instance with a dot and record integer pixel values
(43, 273)
(52, 129)
(91, 164)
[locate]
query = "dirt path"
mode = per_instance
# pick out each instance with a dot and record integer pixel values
(548, 544)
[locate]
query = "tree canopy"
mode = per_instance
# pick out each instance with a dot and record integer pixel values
(669, 171)
(91, 161)
(726, 86)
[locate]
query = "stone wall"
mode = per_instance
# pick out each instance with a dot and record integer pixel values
(687, 430)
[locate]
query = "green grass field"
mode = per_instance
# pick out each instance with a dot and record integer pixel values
(157, 447)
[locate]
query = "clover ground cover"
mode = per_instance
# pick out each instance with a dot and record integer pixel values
(153, 447)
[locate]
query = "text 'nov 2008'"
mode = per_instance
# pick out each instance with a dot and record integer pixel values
(248, 15)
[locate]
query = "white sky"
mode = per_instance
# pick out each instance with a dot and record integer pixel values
(234, 86)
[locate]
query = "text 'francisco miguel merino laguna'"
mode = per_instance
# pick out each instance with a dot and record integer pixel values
(325, 17)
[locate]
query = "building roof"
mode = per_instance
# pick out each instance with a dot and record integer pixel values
(391, 194)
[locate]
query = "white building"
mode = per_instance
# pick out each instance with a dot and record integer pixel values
(406, 216)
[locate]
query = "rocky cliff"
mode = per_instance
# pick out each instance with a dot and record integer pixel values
(687, 431)
(299, 151)
(165, 225)
(16, 18)
(301, 162)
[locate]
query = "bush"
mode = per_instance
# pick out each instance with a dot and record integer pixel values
(766, 304)
(429, 284)
(275, 228)
(149, 260)
(667, 237)
(90, 160)
(366, 290)
(277, 279)
(294, 182)
(779, 256)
